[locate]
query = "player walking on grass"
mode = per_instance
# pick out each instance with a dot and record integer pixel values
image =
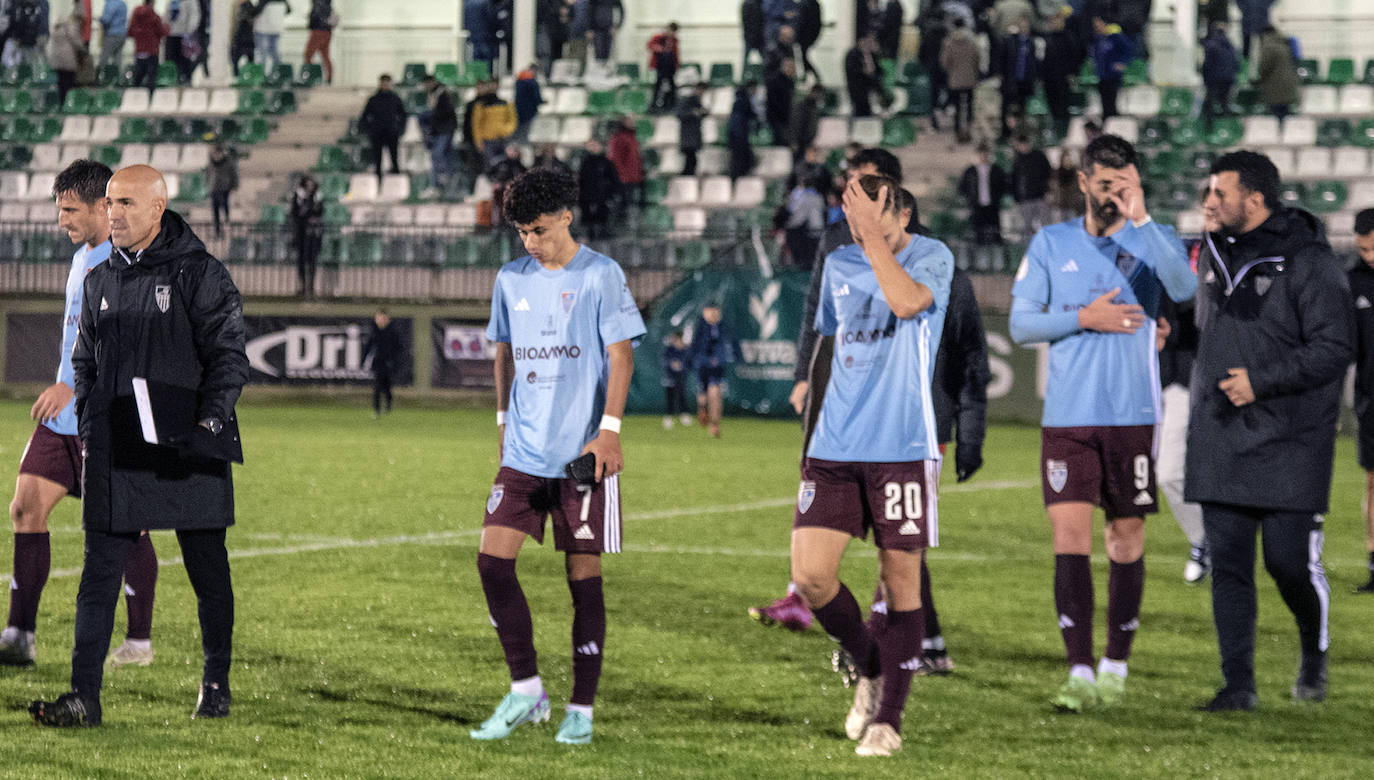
(1091, 288)
(51, 464)
(873, 461)
(563, 321)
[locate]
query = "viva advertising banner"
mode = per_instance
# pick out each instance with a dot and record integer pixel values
(463, 358)
(319, 350)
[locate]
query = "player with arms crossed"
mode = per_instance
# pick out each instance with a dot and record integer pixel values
(1091, 287)
(563, 321)
(873, 461)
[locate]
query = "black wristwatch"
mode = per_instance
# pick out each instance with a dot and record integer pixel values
(213, 425)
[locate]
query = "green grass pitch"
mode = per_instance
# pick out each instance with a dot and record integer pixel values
(362, 646)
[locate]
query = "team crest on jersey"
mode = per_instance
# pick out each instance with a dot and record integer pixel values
(806, 494)
(494, 500)
(162, 294)
(1058, 473)
(568, 298)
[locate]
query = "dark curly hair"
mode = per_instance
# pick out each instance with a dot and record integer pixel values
(871, 186)
(537, 192)
(1256, 172)
(86, 179)
(1108, 151)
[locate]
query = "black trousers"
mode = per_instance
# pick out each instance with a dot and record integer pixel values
(391, 143)
(207, 566)
(145, 72)
(675, 397)
(381, 388)
(1292, 556)
(963, 111)
(665, 89)
(1108, 90)
(689, 162)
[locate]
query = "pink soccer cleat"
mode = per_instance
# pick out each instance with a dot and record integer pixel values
(789, 612)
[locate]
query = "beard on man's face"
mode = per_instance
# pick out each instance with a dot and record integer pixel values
(1105, 211)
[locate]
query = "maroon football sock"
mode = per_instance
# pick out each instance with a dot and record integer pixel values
(140, 585)
(841, 619)
(588, 636)
(511, 614)
(1073, 598)
(1125, 587)
(932, 618)
(900, 650)
(32, 559)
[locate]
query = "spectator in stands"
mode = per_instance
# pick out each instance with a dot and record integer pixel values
(438, 122)
(493, 121)
(479, 19)
(1219, 69)
(1254, 19)
(808, 32)
(1019, 69)
(1066, 199)
(983, 185)
(806, 118)
(959, 57)
(550, 31)
(1030, 182)
(547, 157)
(598, 186)
(1279, 87)
(182, 47)
(663, 60)
(579, 21)
(27, 30)
(221, 179)
(267, 30)
(805, 222)
(501, 174)
(114, 26)
(63, 48)
(739, 127)
(751, 26)
(933, 29)
(690, 111)
(528, 99)
(889, 32)
(1112, 51)
(623, 149)
(1062, 61)
(811, 167)
(861, 75)
(605, 17)
(322, 22)
(147, 29)
(780, 87)
(383, 121)
(203, 38)
(1134, 17)
(307, 226)
(241, 44)
(776, 15)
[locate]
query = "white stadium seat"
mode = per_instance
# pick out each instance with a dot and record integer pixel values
(166, 157)
(164, 101)
(104, 130)
(362, 187)
(1261, 131)
(395, 187)
(195, 101)
(1140, 101)
(710, 130)
(831, 132)
(867, 131)
(712, 160)
(1283, 158)
(13, 212)
(566, 72)
(412, 134)
(400, 216)
(461, 215)
(40, 189)
(1350, 162)
(173, 182)
(135, 101)
(750, 191)
(1124, 126)
(430, 215)
(1361, 195)
(571, 101)
(682, 191)
(1356, 100)
(670, 162)
(223, 101)
(721, 101)
(194, 157)
(667, 131)
(75, 129)
(14, 185)
(689, 222)
(544, 129)
(46, 157)
(1313, 163)
(71, 153)
(1319, 99)
(1299, 131)
(576, 130)
(716, 191)
(775, 162)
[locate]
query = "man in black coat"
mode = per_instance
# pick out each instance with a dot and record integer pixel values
(1362, 287)
(384, 121)
(164, 311)
(597, 186)
(1030, 183)
(383, 351)
(1063, 58)
(751, 26)
(780, 89)
(1277, 334)
(862, 76)
(808, 32)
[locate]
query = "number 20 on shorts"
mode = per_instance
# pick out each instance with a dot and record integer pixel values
(902, 500)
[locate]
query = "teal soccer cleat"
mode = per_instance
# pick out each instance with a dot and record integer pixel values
(576, 729)
(511, 712)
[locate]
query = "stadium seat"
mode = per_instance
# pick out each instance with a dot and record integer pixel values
(430, 215)
(1362, 194)
(566, 72)
(1319, 99)
(46, 157)
(1076, 137)
(628, 70)
(11, 211)
(670, 162)
(1140, 101)
(133, 130)
(461, 215)
(477, 70)
(1186, 133)
(544, 130)
(192, 186)
(712, 160)
(135, 102)
(1283, 158)
(1312, 163)
(1340, 70)
(104, 129)
(571, 101)
(722, 74)
(166, 157)
(1137, 72)
(716, 192)
(1293, 194)
(898, 131)
(1200, 163)
(576, 130)
(251, 75)
(18, 75)
(46, 129)
(194, 157)
(195, 101)
(106, 101)
(1299, 131)
(1363, 134)
(644, 130)
(75, 129)
(283, 101)
(1261, 131)
(682, 191)
(310, 75)
(1307, 71)
(601, 103)
(832, 132)
(689, 74)
(395, 187)
(171, 130)
(167, 75)
(400, 216)
(253, 131)
(1164, 164)
(446, 73)
(722, 100)
(1123, 126)
(78, 101)
(1333, 132)
(666, 131)
(1356, 100)
(135, 154)
(252, 101)
(775, 162)
(1177, 101)
(1350, 161)
(750, 192)
(164, 101)
(688, 222)
(710, 131)
(333, 186)
(1340, 223)
(1190, 222)
(223, 101)
(362, 187)
(1325, 197)
(481, 190)
(14, 185)
(1226, 131)
(412, 74)
(866, 131)
(337, 214)
(917, 97)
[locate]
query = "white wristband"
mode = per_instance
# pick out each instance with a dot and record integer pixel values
(609, 423)
(500, 417)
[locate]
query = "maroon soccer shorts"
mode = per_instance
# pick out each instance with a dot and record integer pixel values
(54, 457)
(520, 501)
(1111, 466)
(896, 500)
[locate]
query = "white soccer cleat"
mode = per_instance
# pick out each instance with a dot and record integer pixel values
(129, 655)
(685, 420)
(866, 694)
(879, 739)
(667, 423)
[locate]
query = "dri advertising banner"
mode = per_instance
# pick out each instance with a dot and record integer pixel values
(762, 312)
(463, 358)
(320, 350)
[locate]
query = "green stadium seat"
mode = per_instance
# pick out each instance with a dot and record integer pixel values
(1180, 196)
(1368, 73)
(601, 103)
(1176, 101)
(1200, 162)
(107, 155)
(899, 131)
(1137, 72)
(1036, 105)
(46, 129)
(272, 214)
(911, 70)
(1152, 131)
(1326, 196)
(1226, 131)
(333, 186)
(283, 102)
(1340, 70)
(762, 136)
(251, 76)
(721, 223)
(197, 128)
(171, 130)
(754, 71)
(106, 101)
(1186, 133)
(1307, 71)
(43, 76)
(1078, 102)
(1293, 194)
(45, 101)
(134, 130)
(722, 74)
(20, 75)
(193, 187)
(107, 75)
(18, 130)
(332, 158)
(656, 219)
(413, 74)
(654, 190)
(887, 73)
(253, 131)
(311, 75)
(167, 75)
(40, 248)
(918, 96)
(1246, 102)
(632, 101)
(353, 134)
(447, 73)
(18, 157)
(336, 214)
(78, 101)
(629, 70)
(226, 127)
(252, 101)
(279, 76)
(417, 102)
(477, 71)
(651, 158)
(16, 102)
(1333, 132)
(693, 255)
(1164, 164)
(365, 249)
(644, 130)
(1363, 134)
(1087, 75)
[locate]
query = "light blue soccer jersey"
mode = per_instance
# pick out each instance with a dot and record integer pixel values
(83, 261)
(559, 324)
(1101, 379)
(877, 407)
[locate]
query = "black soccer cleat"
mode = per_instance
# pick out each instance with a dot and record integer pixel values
(213, 701)
(70, 710)
(1368, 587)
(1311, 682)
(1232, 700)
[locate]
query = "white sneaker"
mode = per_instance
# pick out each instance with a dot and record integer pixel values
(131, 655)
(879, 739)
(685, 420)
(1196, 569)
(17, 648)
(667, 423)
(866, 694)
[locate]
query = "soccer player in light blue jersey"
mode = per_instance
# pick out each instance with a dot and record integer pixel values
(50, 467)
(874, 459)
(563, 321)
(1091, 288)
